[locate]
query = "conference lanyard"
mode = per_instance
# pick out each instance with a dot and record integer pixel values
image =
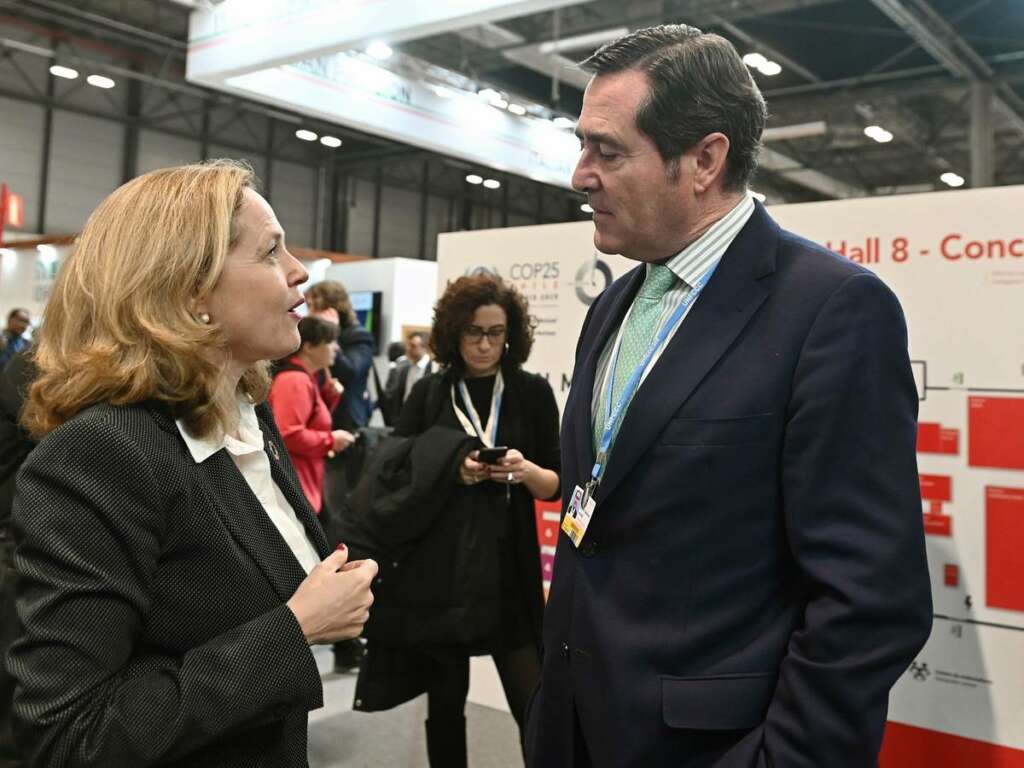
(614, 415)
(488, 435)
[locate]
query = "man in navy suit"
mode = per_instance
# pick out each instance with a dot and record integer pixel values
(742, 573)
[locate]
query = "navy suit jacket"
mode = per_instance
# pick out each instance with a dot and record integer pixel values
(754, 578)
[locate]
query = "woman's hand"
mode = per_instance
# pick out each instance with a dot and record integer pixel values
(333, 601)
(511, 469)
(342, 439)
(472, 471)
(514, 469)
(333, 383)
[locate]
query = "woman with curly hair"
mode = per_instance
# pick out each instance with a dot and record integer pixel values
(473, 584)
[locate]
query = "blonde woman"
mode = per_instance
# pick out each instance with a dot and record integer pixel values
(172, 575)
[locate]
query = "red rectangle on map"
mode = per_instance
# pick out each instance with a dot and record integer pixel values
(938, 525)
(928, 440)
(951, 575)
(906, 746)
(995, 432)
(1004, 543)
(949, 441)
(936, 487)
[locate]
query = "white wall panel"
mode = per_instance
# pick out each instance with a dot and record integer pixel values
(293, 195)
(21, 148)
(161, 150)
(85, 166)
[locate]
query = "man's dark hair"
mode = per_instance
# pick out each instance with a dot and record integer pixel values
(698, 85)
(15, 312)
(418, 335)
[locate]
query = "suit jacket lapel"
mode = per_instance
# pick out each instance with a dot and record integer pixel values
(727, 304)
(243, 515)
(583, 378)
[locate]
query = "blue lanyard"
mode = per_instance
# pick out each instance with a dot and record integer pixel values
(614, 416)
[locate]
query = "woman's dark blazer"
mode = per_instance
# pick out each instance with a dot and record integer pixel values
(152, 591)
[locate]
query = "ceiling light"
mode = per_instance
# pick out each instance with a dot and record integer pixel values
(952, 179)
(492, 183)
(517, 109)
(444, 93)
(586, 208)
(878, 133)
(305, 135)
(769, 68)
(500, 103)
(379, 50)
(489, 94)
(330, 141)
(100, 81)
(66, 72)
(755, 60)
(564, 122)
(474, 179)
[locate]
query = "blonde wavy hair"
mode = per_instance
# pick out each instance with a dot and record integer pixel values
(121, 326)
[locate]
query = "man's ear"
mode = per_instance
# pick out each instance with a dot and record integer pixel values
(711, 157)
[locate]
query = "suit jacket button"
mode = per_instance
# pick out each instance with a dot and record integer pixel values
(566, 650)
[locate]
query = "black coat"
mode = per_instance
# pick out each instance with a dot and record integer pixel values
(152, 591)
(447, 589)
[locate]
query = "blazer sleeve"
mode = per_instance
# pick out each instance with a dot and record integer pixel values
(292, 400)
(852, 509)
(89, 693)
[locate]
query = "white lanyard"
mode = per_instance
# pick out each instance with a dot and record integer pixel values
(489, 434)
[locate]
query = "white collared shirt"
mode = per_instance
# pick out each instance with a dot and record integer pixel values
(254, 464)
(689, 265)
(416, 372)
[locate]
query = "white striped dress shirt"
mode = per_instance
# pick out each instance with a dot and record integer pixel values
(689, 265)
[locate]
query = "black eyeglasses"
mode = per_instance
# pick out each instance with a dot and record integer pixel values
(475, 333)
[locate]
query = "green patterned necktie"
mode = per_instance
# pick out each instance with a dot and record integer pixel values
(641, 328)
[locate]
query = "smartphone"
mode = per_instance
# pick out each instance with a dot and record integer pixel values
(492, 455)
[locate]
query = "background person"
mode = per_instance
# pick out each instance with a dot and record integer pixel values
(170, 576)
(354, 358)
(752, 580)
(472, 586)
(302, 406)
(415, 364)
(13, 338)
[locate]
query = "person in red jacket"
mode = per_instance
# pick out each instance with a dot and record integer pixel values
(302, 408)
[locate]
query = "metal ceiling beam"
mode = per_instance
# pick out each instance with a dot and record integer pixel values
(935, 35)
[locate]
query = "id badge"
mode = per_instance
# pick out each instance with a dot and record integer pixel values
(577, 516)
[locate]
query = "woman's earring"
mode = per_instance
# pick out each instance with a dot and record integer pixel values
(506, 347)
(204, 318)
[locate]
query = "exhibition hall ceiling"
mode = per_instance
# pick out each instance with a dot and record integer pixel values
(866, 96)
